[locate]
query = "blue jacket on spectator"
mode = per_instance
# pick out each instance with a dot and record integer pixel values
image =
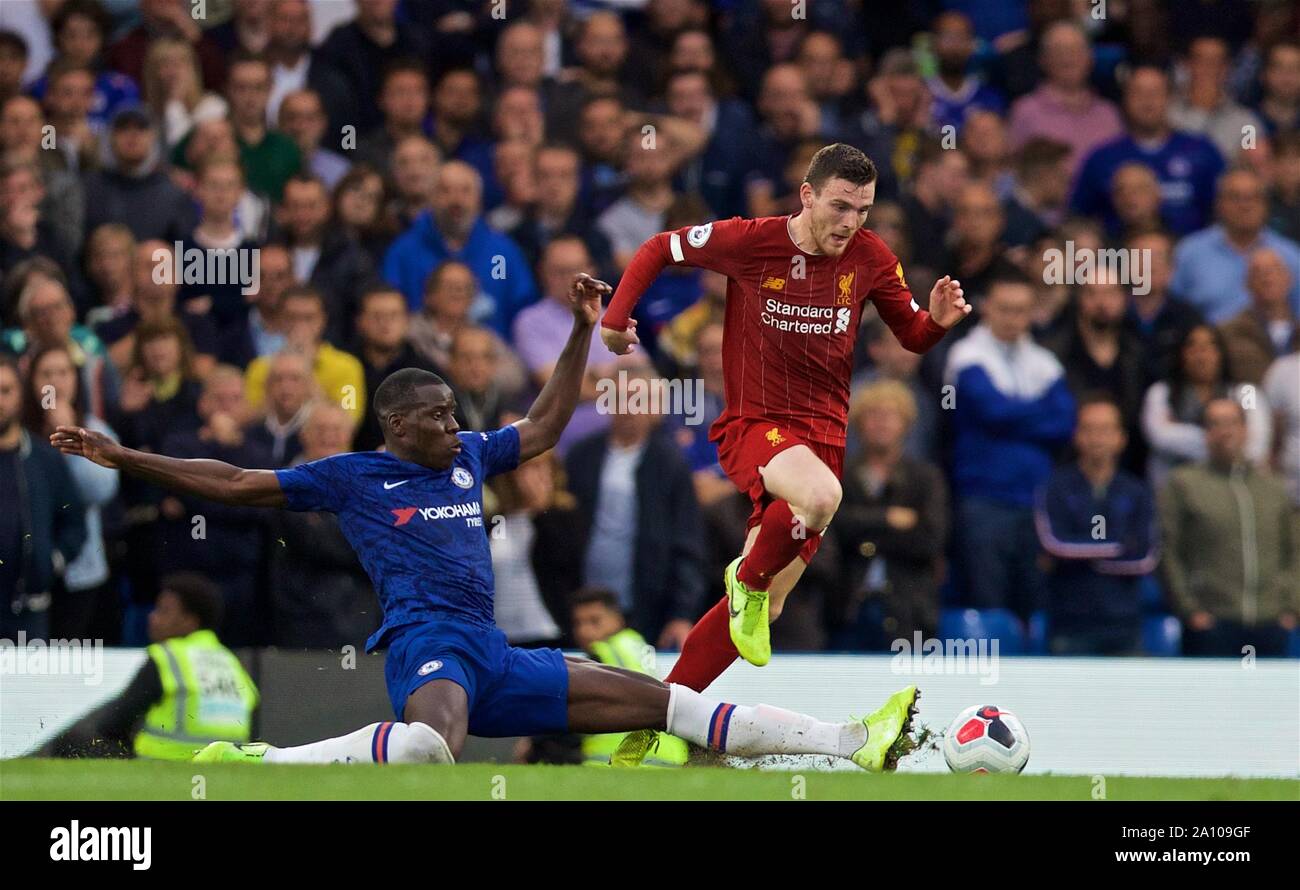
(1098, 567)
(1013, 410)
(497, 262)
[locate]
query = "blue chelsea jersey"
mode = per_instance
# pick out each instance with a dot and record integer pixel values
(420, 533)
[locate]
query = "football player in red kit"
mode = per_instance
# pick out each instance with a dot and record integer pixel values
(796, 289)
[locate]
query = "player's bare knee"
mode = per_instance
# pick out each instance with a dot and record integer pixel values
(820, 503)
(420, 743)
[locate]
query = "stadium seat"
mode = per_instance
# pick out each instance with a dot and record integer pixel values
(984, 624)
(1038, 633)
(1162, 636)
(1153, 595)
(950, 593)
(1293, 644)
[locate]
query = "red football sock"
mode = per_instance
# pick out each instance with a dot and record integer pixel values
(707, 652)
(775, 547)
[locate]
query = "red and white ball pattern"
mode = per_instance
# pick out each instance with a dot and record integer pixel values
(986, 739)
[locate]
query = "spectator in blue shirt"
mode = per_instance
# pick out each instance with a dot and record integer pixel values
(1210, 265)
(80, 28)
(1186, 165)
(955, 90)
(1096, 523)
(454, 228)
(1013, 411)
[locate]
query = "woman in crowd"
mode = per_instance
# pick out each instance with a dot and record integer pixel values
(361, 207)
(159, 397)
(892, 527)
(85, 607)
(1172, 409)
(173, 90)
(159, 393)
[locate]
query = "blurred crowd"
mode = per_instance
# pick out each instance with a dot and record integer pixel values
(419, 181)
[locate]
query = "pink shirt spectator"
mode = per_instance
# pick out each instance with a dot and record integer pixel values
(540, 332)
(1046, 112)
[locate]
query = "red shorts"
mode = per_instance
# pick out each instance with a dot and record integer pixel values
(745, 445)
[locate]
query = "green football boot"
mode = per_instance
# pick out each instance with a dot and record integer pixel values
(749, 618)
(632, 751)
(887, 732)
(229, 752)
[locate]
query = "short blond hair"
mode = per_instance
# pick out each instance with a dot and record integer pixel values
(884, 393)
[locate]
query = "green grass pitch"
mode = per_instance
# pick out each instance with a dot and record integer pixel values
(139, 780)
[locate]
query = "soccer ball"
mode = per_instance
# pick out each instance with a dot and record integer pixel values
(986, 739)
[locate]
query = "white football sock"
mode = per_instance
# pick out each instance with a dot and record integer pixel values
(753, 731)
(376, 743)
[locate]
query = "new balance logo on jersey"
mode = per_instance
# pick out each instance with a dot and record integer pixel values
(472, 513)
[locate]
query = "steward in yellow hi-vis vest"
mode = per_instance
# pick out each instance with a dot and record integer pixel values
(192, 690)
(599, 628)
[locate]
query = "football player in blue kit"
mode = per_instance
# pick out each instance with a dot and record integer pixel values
(414, 515)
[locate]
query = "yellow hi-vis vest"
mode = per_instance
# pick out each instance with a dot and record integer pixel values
(207, 697)
(628, 649)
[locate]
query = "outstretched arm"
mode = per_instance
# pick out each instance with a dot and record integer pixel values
(210, 479)
(719, 246)
(550, 413)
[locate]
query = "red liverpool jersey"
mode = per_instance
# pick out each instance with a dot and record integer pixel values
(791, 318)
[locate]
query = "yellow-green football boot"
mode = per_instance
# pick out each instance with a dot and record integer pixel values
(635, 747)
(229, 752)
(887, 732)
(648, 748)
(748, 609)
